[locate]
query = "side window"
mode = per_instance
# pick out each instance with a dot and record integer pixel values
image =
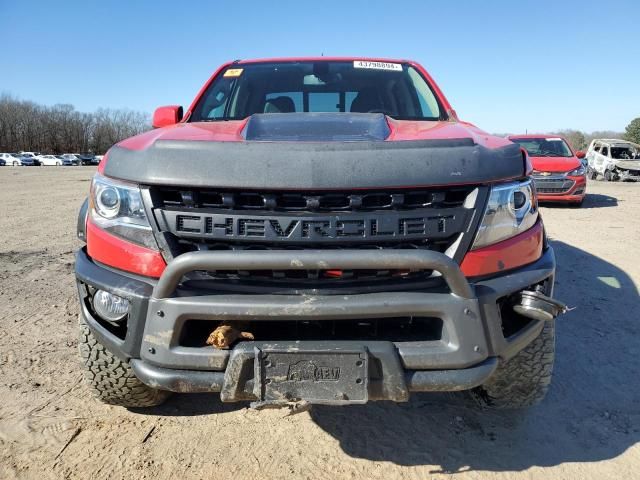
(605, 151)
(427, 99)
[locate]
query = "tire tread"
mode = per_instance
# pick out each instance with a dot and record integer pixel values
(524, 380)
(111, 379)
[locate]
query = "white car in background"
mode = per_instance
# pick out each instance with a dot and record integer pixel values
(50, 160)
(614, 159)
(10, 159)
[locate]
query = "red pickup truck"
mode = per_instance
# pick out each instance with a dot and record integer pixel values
(315, 230)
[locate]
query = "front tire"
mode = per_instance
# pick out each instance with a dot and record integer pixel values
(524, 380)
(111, 379)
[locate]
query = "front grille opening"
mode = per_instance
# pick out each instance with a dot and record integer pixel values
(395, 329)
(210, 199)
(251, 200)
(315, 277)
(327, 276)
(377, 200)
(292, 202)
(334, 202)
(421, 199)
(313, 201)
(512, 322)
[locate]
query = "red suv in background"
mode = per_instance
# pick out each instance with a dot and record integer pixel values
(558, 172)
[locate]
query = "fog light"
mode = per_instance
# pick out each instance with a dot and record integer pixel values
(109, 306)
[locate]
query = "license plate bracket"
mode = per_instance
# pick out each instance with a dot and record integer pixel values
(336, 377)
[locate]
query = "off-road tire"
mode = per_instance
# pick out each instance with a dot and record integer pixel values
(111, 379)
(522, 381)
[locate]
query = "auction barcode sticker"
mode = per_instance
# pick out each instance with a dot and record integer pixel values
(377, 65)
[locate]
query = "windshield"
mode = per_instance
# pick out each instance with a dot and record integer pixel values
(544, 147)
(395, 89)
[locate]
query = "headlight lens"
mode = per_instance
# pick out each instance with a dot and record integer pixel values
(512, 209)
(117, 208)
(577, 172)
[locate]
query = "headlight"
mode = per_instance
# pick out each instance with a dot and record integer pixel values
(512, 209)
(578, 172)
(117, 208)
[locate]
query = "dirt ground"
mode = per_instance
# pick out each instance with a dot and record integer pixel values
(51, 427)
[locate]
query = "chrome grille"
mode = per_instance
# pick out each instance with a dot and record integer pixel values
(553, 184)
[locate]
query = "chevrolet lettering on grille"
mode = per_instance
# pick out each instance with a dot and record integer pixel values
(417, 224)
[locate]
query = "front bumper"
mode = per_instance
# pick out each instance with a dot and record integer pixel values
(465, 355)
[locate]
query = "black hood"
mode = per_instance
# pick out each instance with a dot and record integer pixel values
(283, 165)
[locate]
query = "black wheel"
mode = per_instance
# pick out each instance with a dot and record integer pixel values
(593, 175)
(524, 380)
(610, 176)
(111, 379)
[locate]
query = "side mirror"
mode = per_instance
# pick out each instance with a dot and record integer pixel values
(169, 115)
(580, 154)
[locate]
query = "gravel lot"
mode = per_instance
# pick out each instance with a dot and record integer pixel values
(50, 426)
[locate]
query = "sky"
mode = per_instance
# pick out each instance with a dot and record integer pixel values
(506, 66)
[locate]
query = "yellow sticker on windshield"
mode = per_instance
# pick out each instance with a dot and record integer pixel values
(233, 72)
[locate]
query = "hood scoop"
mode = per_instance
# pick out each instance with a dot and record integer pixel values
(317, 127)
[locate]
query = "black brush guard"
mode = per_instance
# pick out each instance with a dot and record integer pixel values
(458, 361)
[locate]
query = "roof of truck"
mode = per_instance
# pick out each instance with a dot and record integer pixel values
(321, 58)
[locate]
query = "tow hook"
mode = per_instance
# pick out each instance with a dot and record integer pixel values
(538, 306)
